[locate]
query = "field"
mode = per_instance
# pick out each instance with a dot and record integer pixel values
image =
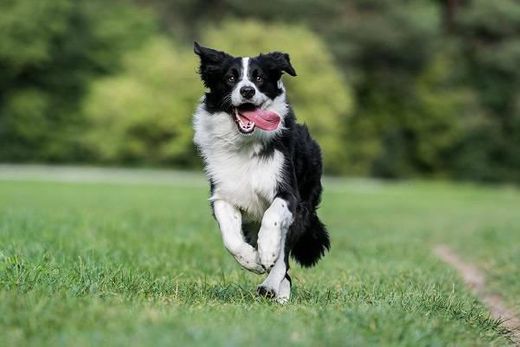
(134, 260)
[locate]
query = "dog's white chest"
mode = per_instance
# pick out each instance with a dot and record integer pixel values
(249, 182)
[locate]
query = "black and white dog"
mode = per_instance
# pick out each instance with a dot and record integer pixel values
(264, 169)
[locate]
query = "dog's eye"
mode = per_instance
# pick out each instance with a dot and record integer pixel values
(231, 78)
(259, 79)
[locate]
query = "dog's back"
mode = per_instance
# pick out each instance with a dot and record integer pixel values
(308, 238)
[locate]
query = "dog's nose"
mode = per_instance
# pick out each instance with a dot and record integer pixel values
(247, 92)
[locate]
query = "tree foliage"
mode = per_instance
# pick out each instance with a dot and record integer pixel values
(143, 113)
(489, 33)
(390, 88)
(49, 51)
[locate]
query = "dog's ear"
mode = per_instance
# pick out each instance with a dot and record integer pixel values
(281, 62)
(209, 55)
(211, 62)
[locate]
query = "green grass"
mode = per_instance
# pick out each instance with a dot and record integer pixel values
(85, 264)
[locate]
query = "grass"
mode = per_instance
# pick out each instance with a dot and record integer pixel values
(85, 264)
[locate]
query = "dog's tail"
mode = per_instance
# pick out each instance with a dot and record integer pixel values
(312, 243)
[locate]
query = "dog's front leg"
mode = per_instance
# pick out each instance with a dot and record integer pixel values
(271, 238)
(229, 219)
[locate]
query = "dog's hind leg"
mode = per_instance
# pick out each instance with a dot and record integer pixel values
(277, 284)
(272, 287)
(284, 292)
(272, 250)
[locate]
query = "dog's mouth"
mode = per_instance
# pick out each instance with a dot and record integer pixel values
(249, 116)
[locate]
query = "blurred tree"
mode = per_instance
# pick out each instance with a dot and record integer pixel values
(426, 87)
(49, 50)
(384, 48)
(143, 114)
(489, 33)
(319, 95)
(389, 50)
(411, 106)
(185, 19)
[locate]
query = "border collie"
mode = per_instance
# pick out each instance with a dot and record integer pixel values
(264, 169)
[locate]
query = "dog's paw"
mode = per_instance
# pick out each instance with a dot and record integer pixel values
(268, 248)
(267, 259)
(266, 291)
(281, 294)
(248, 257)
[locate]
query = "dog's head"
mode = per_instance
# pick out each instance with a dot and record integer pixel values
(245, 88)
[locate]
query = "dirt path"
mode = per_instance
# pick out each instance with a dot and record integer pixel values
(475, 280)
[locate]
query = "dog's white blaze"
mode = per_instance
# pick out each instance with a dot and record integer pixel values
(245, 69)
(236, 97)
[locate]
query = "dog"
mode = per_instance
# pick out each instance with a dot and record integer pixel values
(263, 168)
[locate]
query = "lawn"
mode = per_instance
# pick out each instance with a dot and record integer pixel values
(141, 263)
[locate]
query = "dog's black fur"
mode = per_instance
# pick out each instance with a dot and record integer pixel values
(300, 186)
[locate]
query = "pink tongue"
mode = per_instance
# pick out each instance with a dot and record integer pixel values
(266, 120)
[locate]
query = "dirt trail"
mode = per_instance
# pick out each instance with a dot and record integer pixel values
(475, 280)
